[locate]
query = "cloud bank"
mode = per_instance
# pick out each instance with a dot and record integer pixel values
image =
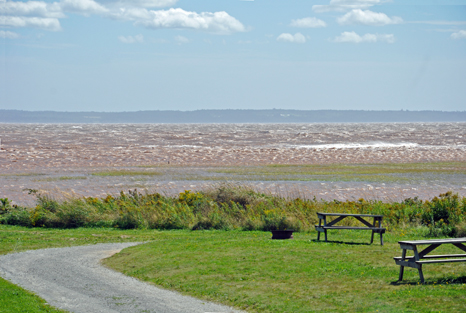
(217, 22)
(358, 16)
(352, 37)
(46, 23)
(308, 22)
(39, 14)
(8, 34)
(131, 39)
(296, 38)
(459, 35)
(345, 5)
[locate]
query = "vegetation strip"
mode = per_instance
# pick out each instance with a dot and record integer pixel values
(250, 271)
(230, 207)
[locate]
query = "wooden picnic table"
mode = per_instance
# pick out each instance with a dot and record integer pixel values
(375, 227)
(420, 258)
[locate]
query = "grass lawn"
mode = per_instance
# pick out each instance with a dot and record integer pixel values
(249, 271)
(252, 272)
(16, 299)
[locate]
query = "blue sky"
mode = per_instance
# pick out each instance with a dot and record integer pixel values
(131, 55)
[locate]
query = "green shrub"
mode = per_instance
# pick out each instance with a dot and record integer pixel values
(232, 207)
(129, 220)
(18, 216)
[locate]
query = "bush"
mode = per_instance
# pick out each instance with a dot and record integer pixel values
(129, 220)
(18, 216)
(231, 207)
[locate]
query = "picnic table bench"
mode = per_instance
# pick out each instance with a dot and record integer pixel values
(420, 258)
(375, 227)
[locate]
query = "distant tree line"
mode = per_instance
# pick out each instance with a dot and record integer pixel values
(232, 116)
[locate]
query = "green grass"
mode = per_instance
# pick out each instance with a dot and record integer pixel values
(342, 172)
(61, 178)
(16, 299)
(252, 272)
(125, 173)
(21, 174)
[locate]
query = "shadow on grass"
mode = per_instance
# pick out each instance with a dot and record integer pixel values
(443, 281)
(341, 242)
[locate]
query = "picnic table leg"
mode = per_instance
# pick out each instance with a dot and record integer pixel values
(417, 258)
(320, 224)
(381, 234)
(325, 230)
(421, 275)
(403, 256)
(372, 237)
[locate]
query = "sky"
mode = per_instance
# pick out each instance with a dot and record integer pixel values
(133, 55)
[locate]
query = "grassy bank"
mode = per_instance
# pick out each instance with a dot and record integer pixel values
(252, 272)
(230, 207)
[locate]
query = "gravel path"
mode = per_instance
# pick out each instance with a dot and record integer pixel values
(73, 279)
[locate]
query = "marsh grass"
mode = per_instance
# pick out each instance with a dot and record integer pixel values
(343, 172)
(21, 174)
(125, 173)
(61, 178)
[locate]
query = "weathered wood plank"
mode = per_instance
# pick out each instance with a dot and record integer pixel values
(433, 241)
(440, 261)
(376, 229)
(407, 263)
(336, 220)
(460, 245)
(347, 214)
(363, 221)
(429, 249)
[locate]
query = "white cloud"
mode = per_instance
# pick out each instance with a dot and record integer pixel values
(308, 22)
(217, 22)
(459, 35)
(138, 3)
(352, 37)
(297, 38)
(8, 34)
(31, 8)
(131, 39)
(181, 40)
(47, 23)
(345, 5)
(40, 14)
(82, 6)
(367, 17)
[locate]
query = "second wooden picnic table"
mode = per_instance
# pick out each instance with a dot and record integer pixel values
(422, 257)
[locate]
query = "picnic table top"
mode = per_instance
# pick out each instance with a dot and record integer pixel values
(346, 214)
(433, 241)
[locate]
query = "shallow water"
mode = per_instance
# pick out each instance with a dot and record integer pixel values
(50, 157)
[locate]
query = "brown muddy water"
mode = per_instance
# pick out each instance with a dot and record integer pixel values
(328, 161)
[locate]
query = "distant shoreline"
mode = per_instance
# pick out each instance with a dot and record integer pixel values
(232, 116)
